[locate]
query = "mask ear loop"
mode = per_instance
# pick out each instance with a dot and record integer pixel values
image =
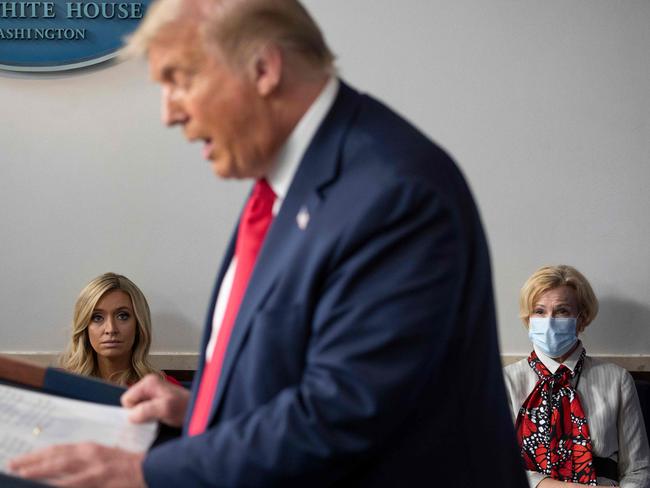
(578, 320)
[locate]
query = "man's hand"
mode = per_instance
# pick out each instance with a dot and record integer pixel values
(153, 398)
(85, 465)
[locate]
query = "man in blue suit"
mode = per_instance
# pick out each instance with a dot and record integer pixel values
(361, 348)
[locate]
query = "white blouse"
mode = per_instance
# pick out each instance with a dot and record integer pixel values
(612, 408)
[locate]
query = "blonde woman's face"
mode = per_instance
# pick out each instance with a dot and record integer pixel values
(558, 302)
(113, 326)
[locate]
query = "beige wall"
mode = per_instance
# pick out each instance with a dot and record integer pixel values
(545, 105)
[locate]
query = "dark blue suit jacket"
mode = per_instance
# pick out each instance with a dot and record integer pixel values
(365, 351)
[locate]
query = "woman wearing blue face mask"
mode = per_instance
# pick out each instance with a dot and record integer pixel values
(578, 419)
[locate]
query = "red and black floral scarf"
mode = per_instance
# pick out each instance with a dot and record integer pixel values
(552, 429)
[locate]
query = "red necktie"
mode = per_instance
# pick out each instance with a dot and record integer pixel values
(254, 224)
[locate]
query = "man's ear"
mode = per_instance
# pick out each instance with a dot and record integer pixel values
(266, 69)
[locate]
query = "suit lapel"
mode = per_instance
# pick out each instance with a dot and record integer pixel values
(318, 168)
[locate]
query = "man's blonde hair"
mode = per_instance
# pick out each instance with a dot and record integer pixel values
(238, 28)
(548, 277)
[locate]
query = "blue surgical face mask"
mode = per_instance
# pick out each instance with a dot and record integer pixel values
(554, 336)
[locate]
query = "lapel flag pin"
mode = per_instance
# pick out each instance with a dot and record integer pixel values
(302, 218)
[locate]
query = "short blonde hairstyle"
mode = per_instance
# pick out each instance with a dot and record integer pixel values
(81, 358)
(548, 277)
(238, 28)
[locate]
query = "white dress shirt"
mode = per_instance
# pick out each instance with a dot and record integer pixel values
(611, 405)
(279, 178)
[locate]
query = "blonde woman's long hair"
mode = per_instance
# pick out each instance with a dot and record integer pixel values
(81, 358)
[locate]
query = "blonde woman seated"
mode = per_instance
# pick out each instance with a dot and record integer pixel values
(111, 332)
(578, 419)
